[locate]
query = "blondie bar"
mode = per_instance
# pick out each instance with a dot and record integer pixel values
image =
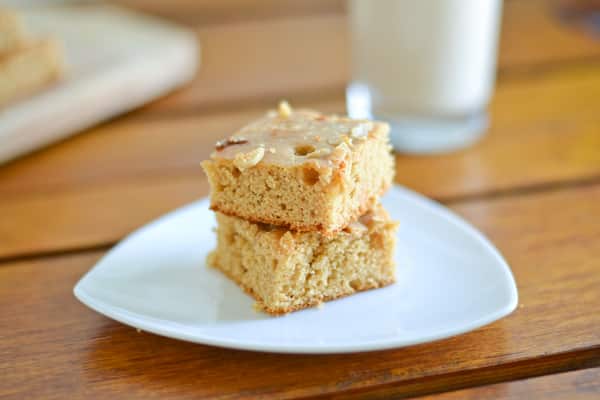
(301, 169)
(286, 271)
(29, 68)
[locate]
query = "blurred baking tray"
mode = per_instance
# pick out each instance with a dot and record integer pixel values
(116, 60)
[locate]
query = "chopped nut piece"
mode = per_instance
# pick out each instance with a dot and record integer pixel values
(356, 228)
(340, 151)
(361, 130)
(221, 144)
(336, 140)
(287, 243)
(284, 109)
(271, 182)
(319, 153)
(368, 220)
(250, 159)
(325, 175)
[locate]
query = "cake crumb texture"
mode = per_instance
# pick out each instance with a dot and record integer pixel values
(287, 271)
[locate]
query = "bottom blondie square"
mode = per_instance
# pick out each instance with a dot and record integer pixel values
(287, 271)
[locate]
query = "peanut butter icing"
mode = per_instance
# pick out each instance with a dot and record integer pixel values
(289, 137)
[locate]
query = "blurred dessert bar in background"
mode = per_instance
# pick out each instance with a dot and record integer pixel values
(27, 63)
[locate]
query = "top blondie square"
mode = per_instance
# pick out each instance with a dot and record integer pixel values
(301, 169)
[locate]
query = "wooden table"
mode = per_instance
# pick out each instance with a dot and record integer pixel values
(532, 185)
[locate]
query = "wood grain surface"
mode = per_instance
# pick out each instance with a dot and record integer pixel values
(560, 125)
(575, 385)
(532, 185)
(312, 53)
(56, 344)
(120, 160)
(210, 12)
(256, 60)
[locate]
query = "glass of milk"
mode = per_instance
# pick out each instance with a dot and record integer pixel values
(425, 66)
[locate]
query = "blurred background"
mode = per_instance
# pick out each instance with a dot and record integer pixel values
(250, 54)
(256, 52)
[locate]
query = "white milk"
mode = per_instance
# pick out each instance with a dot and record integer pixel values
(425, 60)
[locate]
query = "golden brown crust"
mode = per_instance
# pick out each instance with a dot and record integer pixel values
(256, 220)
(284, 311)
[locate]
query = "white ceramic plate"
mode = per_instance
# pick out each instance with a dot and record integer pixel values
(450, 280)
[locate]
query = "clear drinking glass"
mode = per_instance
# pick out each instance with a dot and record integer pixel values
(427, 67)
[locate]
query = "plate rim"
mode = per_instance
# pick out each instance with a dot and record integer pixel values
(176, 330)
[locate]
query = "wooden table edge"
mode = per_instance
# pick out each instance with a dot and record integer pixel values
(529, 368)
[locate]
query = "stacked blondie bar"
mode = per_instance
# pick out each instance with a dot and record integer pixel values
(296, 195)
